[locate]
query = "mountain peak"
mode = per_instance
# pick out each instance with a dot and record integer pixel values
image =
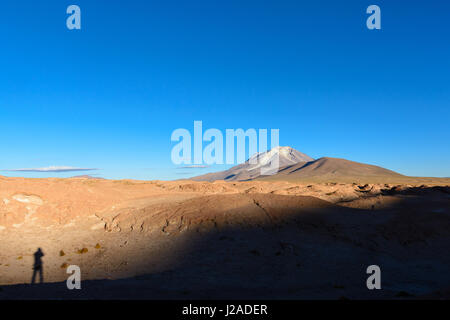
(287, 156)
(254, 166)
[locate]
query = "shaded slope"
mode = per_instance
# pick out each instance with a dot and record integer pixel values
(328, 169)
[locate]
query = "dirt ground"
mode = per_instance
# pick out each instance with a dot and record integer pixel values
(224, 240)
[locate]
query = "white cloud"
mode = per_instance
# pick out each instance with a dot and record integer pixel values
(194, 167)
(52, 169)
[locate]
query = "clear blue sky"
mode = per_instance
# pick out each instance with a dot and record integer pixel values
(110, 95)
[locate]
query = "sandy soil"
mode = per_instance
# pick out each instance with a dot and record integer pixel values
(224, 240)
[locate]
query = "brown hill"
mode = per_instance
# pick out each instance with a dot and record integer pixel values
(340, 167)
(339, 170)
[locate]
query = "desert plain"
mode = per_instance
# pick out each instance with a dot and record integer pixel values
(225, 240)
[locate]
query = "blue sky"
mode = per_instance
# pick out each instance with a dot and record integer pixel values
(110, 95)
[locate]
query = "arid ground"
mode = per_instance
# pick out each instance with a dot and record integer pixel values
(225, 240)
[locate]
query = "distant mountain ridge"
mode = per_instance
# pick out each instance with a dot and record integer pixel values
(332, 169)
(85, 176)
(295, 165)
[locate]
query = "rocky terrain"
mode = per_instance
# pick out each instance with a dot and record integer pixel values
(255, 239)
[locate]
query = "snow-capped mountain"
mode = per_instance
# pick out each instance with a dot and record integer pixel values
(258, 164)
(286, 156)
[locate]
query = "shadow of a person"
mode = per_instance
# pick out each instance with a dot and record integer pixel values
(37, 267)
